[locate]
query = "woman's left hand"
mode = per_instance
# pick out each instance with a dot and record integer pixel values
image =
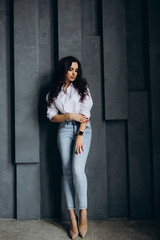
(79, 144)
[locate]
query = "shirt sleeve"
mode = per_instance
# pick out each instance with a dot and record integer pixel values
(51, 110)
(86, 105)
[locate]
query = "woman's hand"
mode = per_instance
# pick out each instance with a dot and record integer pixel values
(79, 144)
(78, 117)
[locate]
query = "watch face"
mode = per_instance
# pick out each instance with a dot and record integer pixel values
(80, 133)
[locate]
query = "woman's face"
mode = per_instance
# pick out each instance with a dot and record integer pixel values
(72, 72)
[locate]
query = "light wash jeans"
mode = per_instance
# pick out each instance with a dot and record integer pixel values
(73, 165)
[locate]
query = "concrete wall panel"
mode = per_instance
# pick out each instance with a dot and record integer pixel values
(50, 164)
(7, 175)
(115, 60)
(139, 156)
(135, 45)
(117, 169)
(28, 191)
(89, 17)
(69, 28)
(154, 52)
(26, 80)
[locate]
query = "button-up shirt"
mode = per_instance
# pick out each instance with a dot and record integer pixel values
(67, 101)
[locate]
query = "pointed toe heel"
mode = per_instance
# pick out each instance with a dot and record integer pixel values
(83, 228)
(72, 234)
(83, 232)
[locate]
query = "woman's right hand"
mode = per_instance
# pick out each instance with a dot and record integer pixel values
(78, 117)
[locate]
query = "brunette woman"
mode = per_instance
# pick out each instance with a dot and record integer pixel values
(69, 103)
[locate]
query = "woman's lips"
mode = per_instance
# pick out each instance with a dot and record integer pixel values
(73, 77)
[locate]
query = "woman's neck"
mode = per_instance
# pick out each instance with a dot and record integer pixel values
(67, 84)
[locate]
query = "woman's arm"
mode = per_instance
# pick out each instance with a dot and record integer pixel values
(85, 110)
(79, 118)
(79, 139)
(65, 117)
(59, 118)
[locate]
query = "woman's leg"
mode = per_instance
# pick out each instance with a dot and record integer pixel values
(65, 145)
(80, 179)
(78, 167)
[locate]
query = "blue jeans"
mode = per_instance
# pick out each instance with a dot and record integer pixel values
(73, 165)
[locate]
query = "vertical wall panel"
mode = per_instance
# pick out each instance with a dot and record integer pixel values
(96, 164)
(26, 57)
(135, 45)
(116, 169)
(45, 53)
(69, 28)
(115, 62)
(89, 17)
(139, 156)
(49, 158)
(7, 182)
(28, 191)
(26, 80)
(154, 52)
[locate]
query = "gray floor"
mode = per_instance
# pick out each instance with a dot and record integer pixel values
(52, 229)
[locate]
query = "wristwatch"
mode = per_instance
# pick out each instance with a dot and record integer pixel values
(80, 133)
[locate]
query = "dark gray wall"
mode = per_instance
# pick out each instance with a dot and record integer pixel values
(118, 45)
(154, 87)
(7, 164)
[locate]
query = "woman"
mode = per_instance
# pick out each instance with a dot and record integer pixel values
(69, 103)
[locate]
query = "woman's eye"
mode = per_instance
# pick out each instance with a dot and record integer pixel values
(72, 70)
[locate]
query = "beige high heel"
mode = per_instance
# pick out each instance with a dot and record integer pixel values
(83, 231)
(72, 234)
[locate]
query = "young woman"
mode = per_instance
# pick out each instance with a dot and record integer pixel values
(69, 103)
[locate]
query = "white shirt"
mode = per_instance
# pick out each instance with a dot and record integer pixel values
(68, 102)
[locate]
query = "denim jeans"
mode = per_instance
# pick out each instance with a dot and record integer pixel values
(73, 165)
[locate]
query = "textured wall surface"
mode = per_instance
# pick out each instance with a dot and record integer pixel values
(118, 45)
(7, 165)
(154, 87)
(115, 61)
(26, 73)
(139, 156)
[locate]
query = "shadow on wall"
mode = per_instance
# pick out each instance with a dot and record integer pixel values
(50, 162)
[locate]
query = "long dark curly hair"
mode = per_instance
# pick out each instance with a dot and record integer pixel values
(79, 83)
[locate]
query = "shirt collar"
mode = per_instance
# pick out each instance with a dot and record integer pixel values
(68, 87)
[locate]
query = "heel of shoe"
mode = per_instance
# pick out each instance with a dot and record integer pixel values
(73, 235)
(83, 231)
